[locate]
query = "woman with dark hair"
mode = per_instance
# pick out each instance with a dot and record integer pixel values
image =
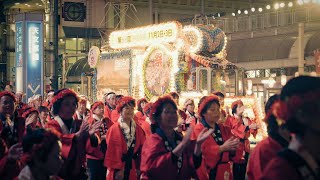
(31, 116)
(96, 151)
(115, 115)
(44, 149)
(216, 149)
(166, 154)
(241, 127)
(73, 133)
(148, 123)
(299, 109)
(182, 115)
(124, 139)
(223, 113)
(268, 148)
(11, 133)
(140, 116)
(192, 118)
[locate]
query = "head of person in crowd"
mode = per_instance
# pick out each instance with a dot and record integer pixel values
(37, 100)
(164, 113)
(64, 103)
(44, 148)
(31, 116)
(300, 109)
(141, 103)
(43, 113)
(97, 108)
(126, 107)
(118, 97)
(147, 109)
(50, 95)
(189, 105)
(7, 100)
(209, 109)
(237, 108)
(19, 97)
(9, 88)
(275, 127)
(82, 106)
(175, 96)
(110, 99)
(220, 96)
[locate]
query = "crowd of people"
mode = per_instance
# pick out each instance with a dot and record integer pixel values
(121, 138)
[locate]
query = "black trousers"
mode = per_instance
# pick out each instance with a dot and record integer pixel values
(239, 170)
(96, 169)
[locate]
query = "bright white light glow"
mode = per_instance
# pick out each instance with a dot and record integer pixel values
(282, 5)
(268, 6)
(192, 31)
(239, 11)
(245, 12)
(145, 36)
(253, 9)
(290, 4)
(276, 6)
(233, 14)
(260, 9)
(300, 2)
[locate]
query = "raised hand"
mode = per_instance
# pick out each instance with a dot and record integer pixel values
(95, 127)
(230, 145)
(15, 152)
(84, 129)
(32, 120)
(204, 134)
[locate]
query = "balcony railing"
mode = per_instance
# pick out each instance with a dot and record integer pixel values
(268, 20)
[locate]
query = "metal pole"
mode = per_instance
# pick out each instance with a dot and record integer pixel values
(301, 49)
(55, 44)
(150, 12)
(202, 7)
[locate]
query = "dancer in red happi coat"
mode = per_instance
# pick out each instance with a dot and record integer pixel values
(110, 104)
(166, 154)
(73, 134)
(124, 139)
(11, 133)
(96, 146)
(268, 148)
(216, 149)
(242, 128)
(146, 125)
(300, 109)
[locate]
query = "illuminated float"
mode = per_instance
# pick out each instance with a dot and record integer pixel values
(157, 59)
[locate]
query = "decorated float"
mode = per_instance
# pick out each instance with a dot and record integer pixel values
(154, 60)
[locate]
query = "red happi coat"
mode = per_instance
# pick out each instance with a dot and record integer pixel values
(261, 156)
(95, 152)
(146, 128)
(157, 162)
(115, 115)
(10, 169)
(140, 118)
(117, 147)
(293, 168)
(107, 112)
(243, 132)
(194, 122)
(72, 151)
(211, 155)
(21, 108)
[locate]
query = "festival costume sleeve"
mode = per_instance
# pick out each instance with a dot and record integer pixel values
(116, 148)
(114, 116)
(237, 128)
(155, 159)
(107, 112)
(66, 139)
(279, 169)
